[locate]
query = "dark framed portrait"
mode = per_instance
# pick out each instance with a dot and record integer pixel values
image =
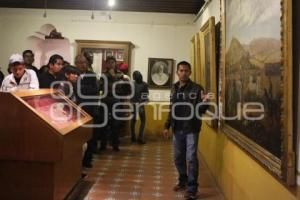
(160, 73)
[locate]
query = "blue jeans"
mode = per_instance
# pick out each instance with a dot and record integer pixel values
(186, 160)
(140, 110)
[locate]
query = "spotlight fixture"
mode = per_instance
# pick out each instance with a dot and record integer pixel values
(111, 3)
(45, 9)
(93, 8)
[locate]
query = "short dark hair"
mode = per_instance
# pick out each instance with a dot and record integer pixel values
(185, 63)
(28, 51)
(108, 58)
(137, 76)
(53, 59)
(70, 69)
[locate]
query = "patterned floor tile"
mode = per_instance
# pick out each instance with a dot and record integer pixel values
(141, 172)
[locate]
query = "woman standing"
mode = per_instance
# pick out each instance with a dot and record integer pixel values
(140, 97)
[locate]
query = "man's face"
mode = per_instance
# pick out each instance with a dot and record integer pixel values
(55, 68)
(18, 70)
(81, 64)
(90, 57)
(72, 77)
(111, 64)
(183, 72)
(28, 58)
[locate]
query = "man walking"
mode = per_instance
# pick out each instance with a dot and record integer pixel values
(186, 105)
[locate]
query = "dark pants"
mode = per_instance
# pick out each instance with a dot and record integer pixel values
(92, 142)
(185, 154)
(112, 130)
(140, 110)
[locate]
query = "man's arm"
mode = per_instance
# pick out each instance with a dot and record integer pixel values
(202, 101)
(34, 83)
(168, 121)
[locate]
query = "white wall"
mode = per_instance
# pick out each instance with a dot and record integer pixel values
(153, 34)
(213, 9)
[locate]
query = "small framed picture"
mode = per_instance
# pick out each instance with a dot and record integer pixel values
(160, 73)
(108, 52)
(120, 55)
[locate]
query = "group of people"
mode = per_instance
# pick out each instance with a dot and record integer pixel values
(61, 75)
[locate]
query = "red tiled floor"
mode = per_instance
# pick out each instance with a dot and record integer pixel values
(141, 172)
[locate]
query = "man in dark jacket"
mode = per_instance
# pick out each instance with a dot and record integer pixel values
(186, 105)
(114, 125)
(55, 65)
(87, 90)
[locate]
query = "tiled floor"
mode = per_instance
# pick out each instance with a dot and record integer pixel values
(144, 172)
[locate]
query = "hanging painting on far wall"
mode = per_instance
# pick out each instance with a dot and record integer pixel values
(160, 73)
(208, 68)
(257, 81)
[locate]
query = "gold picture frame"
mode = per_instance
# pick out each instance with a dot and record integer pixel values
(208, 66)
(277, 158)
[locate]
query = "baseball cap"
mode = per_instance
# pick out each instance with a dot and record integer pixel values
(16, 58)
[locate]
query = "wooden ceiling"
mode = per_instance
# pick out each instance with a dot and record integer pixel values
(166, 6)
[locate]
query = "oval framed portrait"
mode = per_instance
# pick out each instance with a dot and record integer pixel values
(160, 73)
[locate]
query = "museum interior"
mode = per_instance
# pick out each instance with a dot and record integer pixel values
(67, 66)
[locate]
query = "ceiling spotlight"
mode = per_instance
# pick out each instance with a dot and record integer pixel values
(45, 14)
(45, 9)
(111, 3)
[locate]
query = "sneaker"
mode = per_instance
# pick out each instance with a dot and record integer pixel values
(83, 175)
(103, 148)
(133, 140)
(141, 142)
(87, 165)
(116, 149)
(179, 187)
(190, 195)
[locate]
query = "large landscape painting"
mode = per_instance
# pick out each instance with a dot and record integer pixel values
(253, 67)
(254, 71)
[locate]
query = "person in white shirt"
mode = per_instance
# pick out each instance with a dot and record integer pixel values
(20, 78)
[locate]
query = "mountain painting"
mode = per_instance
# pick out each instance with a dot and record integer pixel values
(253, 69)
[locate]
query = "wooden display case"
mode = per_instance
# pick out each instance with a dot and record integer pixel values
(41, 142)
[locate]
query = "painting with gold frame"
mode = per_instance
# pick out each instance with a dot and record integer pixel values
(208, 67)
(257, 74)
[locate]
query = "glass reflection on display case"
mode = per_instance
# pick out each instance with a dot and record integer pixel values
(55, 109)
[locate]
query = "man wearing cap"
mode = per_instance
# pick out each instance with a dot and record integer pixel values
(20, 78)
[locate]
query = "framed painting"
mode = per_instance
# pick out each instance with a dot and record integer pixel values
(100, 50)
(208, 67)
(160, 73)
(195, 52)
(192, 58)
(257, 81)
